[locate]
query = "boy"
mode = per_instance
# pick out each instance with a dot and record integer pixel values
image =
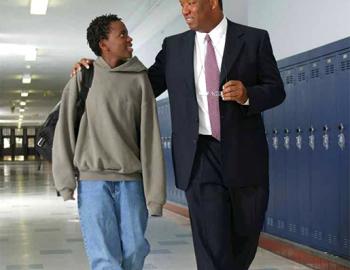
(117, 151)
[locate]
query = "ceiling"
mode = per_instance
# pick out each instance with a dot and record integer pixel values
(59, 37)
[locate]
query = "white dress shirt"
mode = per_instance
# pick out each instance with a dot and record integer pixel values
(218, 38)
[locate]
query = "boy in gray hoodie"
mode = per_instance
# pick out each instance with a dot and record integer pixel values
(117, 152)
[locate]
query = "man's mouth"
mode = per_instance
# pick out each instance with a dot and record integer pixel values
(129, 48)
(189, 19)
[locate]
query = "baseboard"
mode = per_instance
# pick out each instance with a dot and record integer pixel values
(301, 254)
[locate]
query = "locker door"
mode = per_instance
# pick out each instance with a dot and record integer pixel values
(330, 185)
(317, 169)
(289, 127)
(279, 166)
(302, 187)
(343, 103)
(270, 121)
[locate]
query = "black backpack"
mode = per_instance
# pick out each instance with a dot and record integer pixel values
(44, 137)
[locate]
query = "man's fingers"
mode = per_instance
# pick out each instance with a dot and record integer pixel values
(75, 70)
(231, 83)
(85, 62)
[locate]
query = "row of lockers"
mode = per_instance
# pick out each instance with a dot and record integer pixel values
(308, 137)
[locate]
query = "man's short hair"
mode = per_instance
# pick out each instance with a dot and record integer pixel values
(99, 29)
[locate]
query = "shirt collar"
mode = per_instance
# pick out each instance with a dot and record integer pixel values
(216, 34)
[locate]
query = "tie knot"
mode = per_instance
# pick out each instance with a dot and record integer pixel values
(207, 38)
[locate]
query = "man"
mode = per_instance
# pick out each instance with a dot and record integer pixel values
(117, 151)
(220, 153)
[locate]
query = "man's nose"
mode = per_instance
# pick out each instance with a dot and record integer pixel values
(185, 10)
(129, 39)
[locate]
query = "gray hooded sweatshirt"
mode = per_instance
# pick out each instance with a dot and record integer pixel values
(118, 137)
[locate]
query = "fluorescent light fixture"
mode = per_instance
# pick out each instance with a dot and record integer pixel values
(22, 103)
(21, 110)
(17, 49)
(28, 66)
(26, 79)
(21, 116)
(38, 7)
(30, 54)
(24, 94)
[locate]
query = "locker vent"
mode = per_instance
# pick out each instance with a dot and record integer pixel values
(346, 243)
(304, 231)
(292, 228)
(301, 76)
(332, 239)
(330, 69)
(315, 73)
(317, 235)
(345, 65)
(289, 79)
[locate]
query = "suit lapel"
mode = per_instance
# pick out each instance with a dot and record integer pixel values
(233, 46)
(187, 59)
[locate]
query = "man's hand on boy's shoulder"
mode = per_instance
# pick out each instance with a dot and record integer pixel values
(77, 66)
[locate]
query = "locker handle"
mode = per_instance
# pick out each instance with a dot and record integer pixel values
(286, 131)
(325, 128)
(275, 131)
(341, 127)
(311, 129)
(298, 130)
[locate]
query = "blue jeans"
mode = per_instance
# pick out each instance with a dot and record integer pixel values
(113, 220)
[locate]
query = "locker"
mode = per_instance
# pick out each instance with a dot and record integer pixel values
(342, 80)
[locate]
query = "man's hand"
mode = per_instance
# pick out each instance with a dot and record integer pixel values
(234, 91)
(83, 62)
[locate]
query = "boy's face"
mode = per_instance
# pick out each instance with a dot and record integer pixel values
(118, 43)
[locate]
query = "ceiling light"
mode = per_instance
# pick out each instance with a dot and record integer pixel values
(21, 116)
(21, 110)
(24, 94)
(22, 103)
(30, 54)
(26, 79)
(28, 66)
(16, 49)
(38, 7)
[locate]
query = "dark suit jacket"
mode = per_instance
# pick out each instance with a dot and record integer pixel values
(247, 57)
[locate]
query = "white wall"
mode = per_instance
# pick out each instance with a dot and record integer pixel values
(296, 26)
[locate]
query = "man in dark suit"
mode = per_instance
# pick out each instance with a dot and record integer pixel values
(220, 76)
(219, 148)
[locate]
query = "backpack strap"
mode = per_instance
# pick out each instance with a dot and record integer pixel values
(86, 82)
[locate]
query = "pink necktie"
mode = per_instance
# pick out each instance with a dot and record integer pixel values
(212, 77)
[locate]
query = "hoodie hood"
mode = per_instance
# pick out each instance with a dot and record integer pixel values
(132, 65)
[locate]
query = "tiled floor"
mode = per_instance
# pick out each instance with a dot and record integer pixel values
(40, 231)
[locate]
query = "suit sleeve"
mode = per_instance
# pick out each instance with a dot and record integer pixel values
(153, 168)
(156, 72)
(269, 91)
(64, 142)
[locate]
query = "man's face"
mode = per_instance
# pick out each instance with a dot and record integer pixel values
(118, 43)
(197, 14)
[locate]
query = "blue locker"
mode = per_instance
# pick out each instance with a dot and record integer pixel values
(303, 121)
(343, 102)
(290, 149)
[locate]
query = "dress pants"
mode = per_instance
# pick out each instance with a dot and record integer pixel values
(226, 221)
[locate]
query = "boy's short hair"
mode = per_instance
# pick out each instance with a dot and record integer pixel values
(99, 29)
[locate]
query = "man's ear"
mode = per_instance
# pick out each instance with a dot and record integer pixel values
(214, 4)
(103, 45)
